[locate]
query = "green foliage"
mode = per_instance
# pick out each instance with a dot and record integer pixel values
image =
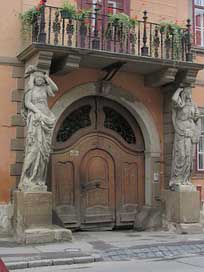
(123, 23)
(173, 28)
(121, 19)
(83, 14)
(176, 33)
(27, 19)
(68, 10)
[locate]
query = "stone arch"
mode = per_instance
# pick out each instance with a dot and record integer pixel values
(139, 112)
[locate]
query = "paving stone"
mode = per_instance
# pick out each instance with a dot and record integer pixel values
(17, 265)
(83, 260)
(63, 261)
(39, 263)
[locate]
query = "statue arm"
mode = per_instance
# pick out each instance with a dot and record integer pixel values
(176, 99)
(51, 85)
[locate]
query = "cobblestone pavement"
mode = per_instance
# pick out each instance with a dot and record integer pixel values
(154, 252)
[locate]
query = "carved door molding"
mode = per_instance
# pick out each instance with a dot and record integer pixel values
(97, 165)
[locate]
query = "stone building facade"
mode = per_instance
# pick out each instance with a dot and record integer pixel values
(113, 138)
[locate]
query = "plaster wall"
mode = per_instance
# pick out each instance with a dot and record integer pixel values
(159, 10)
(7, 132)
(10, 25)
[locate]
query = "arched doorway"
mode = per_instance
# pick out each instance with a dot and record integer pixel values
(97, 165)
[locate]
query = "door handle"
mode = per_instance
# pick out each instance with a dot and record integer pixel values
(94, 184)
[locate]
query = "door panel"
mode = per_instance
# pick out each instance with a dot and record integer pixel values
(132, 189)
(63, 187)
(97, 188)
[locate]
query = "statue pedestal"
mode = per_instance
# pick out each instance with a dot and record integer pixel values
(33, 219)
(182, 206)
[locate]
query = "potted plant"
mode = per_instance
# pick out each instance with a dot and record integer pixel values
(121, 19)
(28, 19)
(82, 14)
(68, 10)
(174, 33)
(122, 22)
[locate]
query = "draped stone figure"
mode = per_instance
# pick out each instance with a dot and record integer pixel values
(40, 123)
(186, 122)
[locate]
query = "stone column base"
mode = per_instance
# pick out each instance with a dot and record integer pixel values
(43, 234)
(195, 228)
(182, 206)
(33, 219)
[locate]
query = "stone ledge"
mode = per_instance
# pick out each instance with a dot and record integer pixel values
(20, 156)
(18, 72)
(44, 234)
(17, 96)
(195, 228)
(182, 207)
(53, 262)
(16, 169)
(17, 144)
(20, 133)
(17, 121)
(20, 83)
(6, 214)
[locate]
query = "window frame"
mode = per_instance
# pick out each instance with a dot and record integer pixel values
(195, 6)
(126, 5)
(198, 173)
(199, 170)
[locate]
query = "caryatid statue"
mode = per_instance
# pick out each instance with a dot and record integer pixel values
(40, 122)
(186, 122)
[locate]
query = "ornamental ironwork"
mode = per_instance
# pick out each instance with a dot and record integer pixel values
(116, 122)
(76, 120)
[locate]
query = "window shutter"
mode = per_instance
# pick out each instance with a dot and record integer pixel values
(107, 5)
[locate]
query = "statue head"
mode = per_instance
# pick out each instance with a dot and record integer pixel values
(39, 79)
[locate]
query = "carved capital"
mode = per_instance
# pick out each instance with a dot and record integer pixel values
(188, 77)
(67, 64)
(160, 78)
(42, 60)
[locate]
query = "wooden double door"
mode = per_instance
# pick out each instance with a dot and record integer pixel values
(97, 173)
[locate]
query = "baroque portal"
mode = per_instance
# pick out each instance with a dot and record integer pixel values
(40, 123)
(186, 122)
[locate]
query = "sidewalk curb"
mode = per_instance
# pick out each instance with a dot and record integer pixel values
(53, 262)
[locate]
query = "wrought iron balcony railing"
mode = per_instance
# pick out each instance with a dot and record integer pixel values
(96, 33)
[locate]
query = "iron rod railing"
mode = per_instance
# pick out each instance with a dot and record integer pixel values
(97, 33)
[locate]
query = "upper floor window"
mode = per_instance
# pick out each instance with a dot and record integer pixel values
(199, 22)
(200, 148)
(107, 6)
(199, 2)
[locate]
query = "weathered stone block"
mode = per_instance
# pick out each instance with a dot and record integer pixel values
(32, 209)
(20, 132)
(6, 214)
(20, 82)
(17, 121)
(16, 169)
(182, 207)
(17, 72)
(17, 144)
(19, 156)
(148, 218)
(63, 234)
(17, 96)
(33, 219)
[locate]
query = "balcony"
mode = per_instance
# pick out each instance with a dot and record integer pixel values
(143, 47)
